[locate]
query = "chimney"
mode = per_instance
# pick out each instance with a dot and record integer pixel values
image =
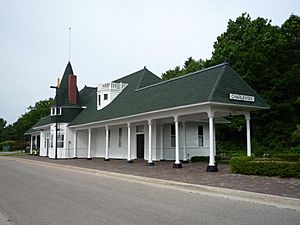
(72, 89)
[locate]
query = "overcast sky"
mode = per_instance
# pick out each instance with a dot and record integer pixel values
(110, 39)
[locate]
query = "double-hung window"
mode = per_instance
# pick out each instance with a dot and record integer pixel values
(173, 135)
(108, 137)
(60, 140)
(120, 137)
(51, 141)
(200, 136)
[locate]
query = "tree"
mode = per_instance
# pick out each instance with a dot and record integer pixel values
(268, 59)
(189, 66)
(2, 127)
(27, 120)
(260, 53)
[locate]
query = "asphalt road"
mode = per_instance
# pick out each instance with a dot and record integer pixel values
(34, 194)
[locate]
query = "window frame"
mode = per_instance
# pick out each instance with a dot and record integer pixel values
(51, 140)
(173, 136)
(99, 99)
(140, 129)
(200, 138)
(60, 140)
(120, 136)
(54, 113)
(109, 136)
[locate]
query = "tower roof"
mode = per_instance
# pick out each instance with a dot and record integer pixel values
(63, 97)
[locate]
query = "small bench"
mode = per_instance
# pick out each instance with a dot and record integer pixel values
(224, 157)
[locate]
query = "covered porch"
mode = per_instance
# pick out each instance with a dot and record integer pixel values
(147, 136)
(35, 143)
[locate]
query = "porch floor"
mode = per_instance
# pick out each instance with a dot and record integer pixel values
(194, 173)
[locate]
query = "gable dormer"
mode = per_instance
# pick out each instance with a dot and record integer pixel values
(107, 92)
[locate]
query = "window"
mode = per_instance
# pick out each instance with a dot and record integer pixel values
(60, 141)
(105, 96)
(120, 137)
(109, 138)
(99, 99)
(53, 111)
(45, 140)
(51, 141)
(200, 136)
(173, 135)
(140, 129)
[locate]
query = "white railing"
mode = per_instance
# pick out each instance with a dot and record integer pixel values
(111, 86)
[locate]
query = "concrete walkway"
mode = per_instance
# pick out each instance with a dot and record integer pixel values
(192, 173)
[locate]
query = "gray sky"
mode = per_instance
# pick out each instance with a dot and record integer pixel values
(110, 39)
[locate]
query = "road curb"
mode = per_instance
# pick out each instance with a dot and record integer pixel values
(252, 197)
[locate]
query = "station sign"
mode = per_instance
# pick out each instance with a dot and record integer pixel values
(239, 97)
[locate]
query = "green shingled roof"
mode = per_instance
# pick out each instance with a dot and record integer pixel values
(86, 94)
(63, 99)
(146, 78)
(43, 121)
(68, 113)
(146, 92)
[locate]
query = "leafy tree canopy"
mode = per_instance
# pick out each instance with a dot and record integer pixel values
(268, 58)
(26, 121)
(189, 66)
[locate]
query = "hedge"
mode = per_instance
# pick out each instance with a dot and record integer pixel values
(291, 157)
(205, 159)
(251, 166)
(3, 144)
(199, 158)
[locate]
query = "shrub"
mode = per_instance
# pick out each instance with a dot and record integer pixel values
(206, 159)
(7, 144)
(250, 166)
(20, 145)
(291, 157)
(237, 164)
(200, 159)
(269, 159)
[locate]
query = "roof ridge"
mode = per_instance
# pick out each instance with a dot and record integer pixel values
(128, 75)
(181, 77)
(86, 87)
(141, 78)
(217, 82)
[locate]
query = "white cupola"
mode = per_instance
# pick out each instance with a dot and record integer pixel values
(107, 92)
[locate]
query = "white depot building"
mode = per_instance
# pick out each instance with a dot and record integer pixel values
(140, 116)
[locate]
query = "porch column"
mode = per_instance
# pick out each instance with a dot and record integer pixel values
(31, 144)
(89, 144)
(106, 144)
(162, 143)
(211, 167)
(215, 148)
(129, 143)
(247, 117)
(75, 145)
(185, 160)
(150, 162)
(177, 163)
